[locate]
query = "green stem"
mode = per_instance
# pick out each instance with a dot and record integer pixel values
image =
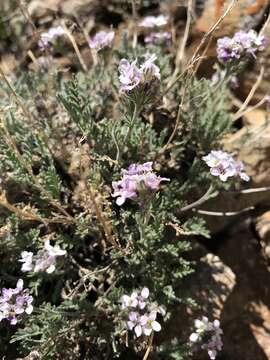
(132, 123)
(128, 134)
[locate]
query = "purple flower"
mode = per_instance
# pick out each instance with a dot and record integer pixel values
(142, 298)
(47, 37)
(137, 169)
(102, 40)
(44, 260)
(154, 21)
(240, 45)
(130, 301)
(136, 322)
(208, 336)
(224, 166)
(15, 302)
(149, 69)
(130, 75)
(158, 37)
(135, 181)
(141, 313)
(150, 324)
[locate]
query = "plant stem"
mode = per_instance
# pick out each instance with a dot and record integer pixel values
(149, 348)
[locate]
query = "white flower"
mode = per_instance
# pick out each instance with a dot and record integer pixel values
(208, 335)
(49, 36)
(224, 166)
(129, 301)
(149, 69)
(194, 337)
(54, 250)
(150, 324)
(26, 259)
(154, 21)
(101, 40)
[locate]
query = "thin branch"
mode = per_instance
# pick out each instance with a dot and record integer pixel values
(26, 214)
(26, 14)
(75, 47)
(249, 109)
(179, 231)
(203, 54)
(183, 43)
(175, 128)
(171, 85)
(267, 22)
(251, 93)
(107, 228)
(200, 201)
(226, 213)
(213, 28)
(253, 190)
(149, 348)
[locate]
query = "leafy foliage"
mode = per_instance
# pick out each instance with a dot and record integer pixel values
(61, 161)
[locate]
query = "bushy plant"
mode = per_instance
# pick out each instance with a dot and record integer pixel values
(89, 234)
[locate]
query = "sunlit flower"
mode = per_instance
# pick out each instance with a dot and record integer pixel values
(15, 302)
(224, 166)
(158, 37)
(141, 313)
(150, 324)
(44, 260)
(47, 37)
(208, 336)
(101, 40)
(131, 76)
(149, 69)
(240, 45)
(136, 180)
(154, 21)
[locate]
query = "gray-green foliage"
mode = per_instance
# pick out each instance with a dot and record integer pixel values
(111, 250)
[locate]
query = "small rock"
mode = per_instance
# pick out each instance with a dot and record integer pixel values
(244, 14)
(212, 283)
(252, 145)
(263, 229)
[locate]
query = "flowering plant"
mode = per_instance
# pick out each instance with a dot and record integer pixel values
(138, 182)
(112, 163)
(15, 302)
(47, 38)
(141, 313)
(102, 40)
(44, 260)
(207, 336)
(241, 45)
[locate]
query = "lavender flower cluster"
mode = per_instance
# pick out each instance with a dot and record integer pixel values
(137, 181)
(102, 40)
(224, 166)
(44, 260)
(154, 21)
(47, 37)
(208, 336)
(132, 76)
(158, 37)
(15, 302)
(241, 45)
(141, 314)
